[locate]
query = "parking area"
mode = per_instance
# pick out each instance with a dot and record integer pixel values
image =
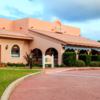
(65, 85)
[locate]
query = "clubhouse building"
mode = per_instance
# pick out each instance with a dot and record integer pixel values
(41, 38)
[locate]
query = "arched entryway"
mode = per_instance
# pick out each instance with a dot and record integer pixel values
(37, 56)
(54, 52)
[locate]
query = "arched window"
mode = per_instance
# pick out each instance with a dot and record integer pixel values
(15, 51)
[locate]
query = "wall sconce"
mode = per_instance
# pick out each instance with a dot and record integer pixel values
(32, 27)
(20, 28)
(6, 47)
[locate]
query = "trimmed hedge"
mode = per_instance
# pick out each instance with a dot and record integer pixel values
(95, 57)
(79, 63)
(16, 64)
(37, 65)
(62, 65)
(86, 58)
(95, 64)
(69, 58)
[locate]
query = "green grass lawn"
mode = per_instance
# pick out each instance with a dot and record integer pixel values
(8, 75)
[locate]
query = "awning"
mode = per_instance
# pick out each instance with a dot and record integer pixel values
(80, 48)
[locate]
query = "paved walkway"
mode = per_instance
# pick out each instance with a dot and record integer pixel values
(57, 85)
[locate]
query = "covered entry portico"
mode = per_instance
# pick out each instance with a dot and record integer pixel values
(83, 50)
(50, 57)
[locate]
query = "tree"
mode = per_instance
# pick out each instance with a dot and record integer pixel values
(29, 60)
(98, 40)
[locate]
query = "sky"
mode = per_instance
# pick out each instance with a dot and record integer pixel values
(84, 14)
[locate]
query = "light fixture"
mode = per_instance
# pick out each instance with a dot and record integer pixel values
(6, 47)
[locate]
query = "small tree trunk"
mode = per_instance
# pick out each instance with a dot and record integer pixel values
(30, 64)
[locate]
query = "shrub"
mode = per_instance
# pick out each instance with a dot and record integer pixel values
(69, 58)
(95, 64)
(62, 65)
(37, 65)
(16, 64)
(95, 57)
(86, 58)
(3, 65)
(79, 63)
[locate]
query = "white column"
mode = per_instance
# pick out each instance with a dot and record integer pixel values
(89, 51)
(43, 61)
(77, 55)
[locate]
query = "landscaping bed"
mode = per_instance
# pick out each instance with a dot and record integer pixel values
(8, 75)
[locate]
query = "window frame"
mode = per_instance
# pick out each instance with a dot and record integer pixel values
(17, 55)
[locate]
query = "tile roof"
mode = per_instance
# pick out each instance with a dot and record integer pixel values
(69, 39)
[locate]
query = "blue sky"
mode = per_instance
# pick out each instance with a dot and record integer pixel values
(84, 14)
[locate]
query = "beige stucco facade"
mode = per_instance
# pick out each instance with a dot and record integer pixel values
(6, 46)
(30, 34)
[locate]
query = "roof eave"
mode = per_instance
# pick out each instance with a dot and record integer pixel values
(16, 37)
(66, 43)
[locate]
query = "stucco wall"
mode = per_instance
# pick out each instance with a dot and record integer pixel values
(44, 43)
(49, 26)
(6, 24)
(6, 53)
(20, 25)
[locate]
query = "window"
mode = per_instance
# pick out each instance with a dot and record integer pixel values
(15, 51)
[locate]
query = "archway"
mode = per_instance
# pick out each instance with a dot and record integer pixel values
(69, 50)
(95, 52)
(83, 52)
(37, 56)
(53, 51)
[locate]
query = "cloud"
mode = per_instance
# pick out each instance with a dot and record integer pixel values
(8, 17)
(15, 13)
(89, 29)
(73, 10)
(84, 14)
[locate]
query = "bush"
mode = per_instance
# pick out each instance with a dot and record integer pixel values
(62, 65)
(69, 58)
(79, 63)
(95, 64)
(3, 65)
(95, 57)
(86, 58)
(37, 65)
(16, 64)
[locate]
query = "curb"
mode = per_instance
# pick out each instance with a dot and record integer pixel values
(71, 69)
(83, 68)
(13, 85)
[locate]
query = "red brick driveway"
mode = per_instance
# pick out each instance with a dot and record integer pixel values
(67, 85)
